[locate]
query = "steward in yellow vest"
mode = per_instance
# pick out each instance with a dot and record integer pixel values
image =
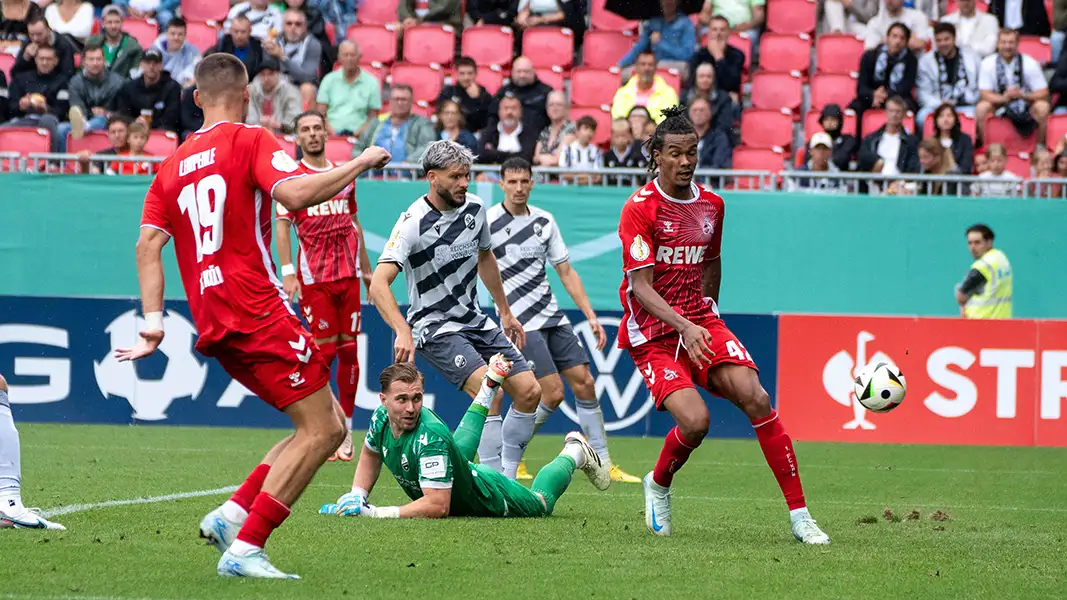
(985, 292)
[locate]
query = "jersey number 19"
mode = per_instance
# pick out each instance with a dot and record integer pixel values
(195, 200)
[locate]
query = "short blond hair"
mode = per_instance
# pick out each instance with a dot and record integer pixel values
(220, 78)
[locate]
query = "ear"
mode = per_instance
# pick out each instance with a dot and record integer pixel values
(381, 397)
(196, 97)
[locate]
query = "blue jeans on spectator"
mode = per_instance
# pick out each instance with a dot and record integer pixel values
(92, 124)
(1056, 40)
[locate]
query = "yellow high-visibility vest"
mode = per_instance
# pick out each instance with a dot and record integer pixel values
(994, 299)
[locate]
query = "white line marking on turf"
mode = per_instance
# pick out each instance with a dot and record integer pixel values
(37, 597)
(73, 508)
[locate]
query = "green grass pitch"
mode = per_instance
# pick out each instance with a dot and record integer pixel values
(1004, 537)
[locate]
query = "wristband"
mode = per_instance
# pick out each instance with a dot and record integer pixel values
(288, 270)
(387, 512)
(154, 321)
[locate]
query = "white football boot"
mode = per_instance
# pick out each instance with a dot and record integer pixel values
(805, 530)
(657, 507)
(14, 514)
(594, 468)
(219, 531)
(255, 564)
(346, 451)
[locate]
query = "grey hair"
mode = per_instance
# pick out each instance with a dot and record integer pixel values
(443, 154)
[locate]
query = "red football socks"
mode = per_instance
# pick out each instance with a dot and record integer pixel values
(676, 451)
(246, 494)
(778, 450)
(266, 515)
(347, 376)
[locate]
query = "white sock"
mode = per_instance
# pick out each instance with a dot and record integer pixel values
(348, 422)
(242, 548)
(575, 451)
(10, 452)
(489, 446)
(542, 415)
(799, 514)
(516, 434)
(233, 512)
(591, 419)
(485, 395)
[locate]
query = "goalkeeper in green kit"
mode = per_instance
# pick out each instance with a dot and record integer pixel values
(433, 466)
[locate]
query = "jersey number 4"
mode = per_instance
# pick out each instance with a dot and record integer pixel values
(738, 351)
(195, 201)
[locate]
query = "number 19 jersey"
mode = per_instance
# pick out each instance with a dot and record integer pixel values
(213, 197)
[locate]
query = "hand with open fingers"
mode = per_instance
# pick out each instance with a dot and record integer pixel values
(150, 340)
(697, 342)
(599, 333)
(376, 157)
(513, 329)
(404, 347)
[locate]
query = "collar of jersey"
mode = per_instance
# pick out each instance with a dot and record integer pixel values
(692, 186)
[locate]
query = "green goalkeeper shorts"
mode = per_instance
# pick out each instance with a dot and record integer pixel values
(511, 498)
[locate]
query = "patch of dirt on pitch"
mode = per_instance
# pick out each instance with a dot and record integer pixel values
(913, 516)
(868, 520)
(940, 516)
(890, 516)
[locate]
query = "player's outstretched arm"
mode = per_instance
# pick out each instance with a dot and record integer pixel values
(382, 297)
(301, 192)
(354, 503)
(573, 284)
(695, 338)
(711, 279)
(489, 272)
(150, 277)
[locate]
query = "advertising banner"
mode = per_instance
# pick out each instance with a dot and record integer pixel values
(969, 382)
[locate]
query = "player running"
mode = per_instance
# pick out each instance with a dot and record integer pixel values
(443, 243)
(671, 232)
(333, 259)
(525, 240)
(213, 197)
(433, 466)
(12, 512)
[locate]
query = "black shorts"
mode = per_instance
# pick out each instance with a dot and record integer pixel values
(554, 349)
(457, 355)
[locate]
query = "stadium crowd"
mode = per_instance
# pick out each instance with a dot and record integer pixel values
(878, 86)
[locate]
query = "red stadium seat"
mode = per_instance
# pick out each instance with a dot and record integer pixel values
(201, 35)
(6, 62)
(145, 31)
(791, 16)
(811, 123)
(1057, 129)
(24, 140)
(339, 148)
(777, 90)
(771, 129)
(378, 12)
(1018, 164)
(161, 143)
(549, 46)
(742, 42)
(968, 125)
(672, 77)
(429, 45)
(552, 76)
(488, 45)
(377, 69)
(593, 87)
(602, 18)
(874, 119)
(425, 80)
(423, 108)
(832, 89)
(331, 32)
(93, 141)
(785, 53)
(1037, 48)
(377, 43)
(491, 78)
(602, 114)
(205, 10)
(604, 49)
(838, 54)
(999, 130)
(756, 159)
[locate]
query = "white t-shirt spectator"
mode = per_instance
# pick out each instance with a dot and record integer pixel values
(979, 33)
(79, 27)
(580, 158)
(262, 20)
(539, 7)
(889, 150)
(1033, 78)
(1005, 184)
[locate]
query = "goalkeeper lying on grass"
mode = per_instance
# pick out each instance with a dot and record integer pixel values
(433, 466)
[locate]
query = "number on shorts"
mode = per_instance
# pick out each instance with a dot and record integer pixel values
(737, 350)
(355, 321)
(195, 200)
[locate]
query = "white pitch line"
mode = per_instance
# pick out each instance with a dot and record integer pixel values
(73, 508)
(46, 597)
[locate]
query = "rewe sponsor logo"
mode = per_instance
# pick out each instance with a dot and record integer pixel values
(681, 255)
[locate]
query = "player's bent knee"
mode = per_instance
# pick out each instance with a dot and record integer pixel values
(553, 398)
(347, 350)
(695, 427)
(757, 404)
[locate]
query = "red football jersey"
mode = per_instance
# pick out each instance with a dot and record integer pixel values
(328, 243)
(213, 197)
(676, 238)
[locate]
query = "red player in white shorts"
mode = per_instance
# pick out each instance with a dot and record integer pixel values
(671, 232)
(331, 262)
(213, 198)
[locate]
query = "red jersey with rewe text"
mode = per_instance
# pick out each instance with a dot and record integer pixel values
(328, 243)
(213, 197)
(675, 238)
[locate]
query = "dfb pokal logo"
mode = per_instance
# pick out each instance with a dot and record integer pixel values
(609, 369)
(183, 376)
(839, 377)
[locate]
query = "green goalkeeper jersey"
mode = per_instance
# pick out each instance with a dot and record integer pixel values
(428, 458)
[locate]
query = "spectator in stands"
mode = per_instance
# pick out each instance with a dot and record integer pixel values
(298, 53)
(531, 92)
(451, 125)
(742, 15)
(342, 13)
(404, 134)
(179, 56)
(160, 10)
(1004, 183)
(192, 116)
(1041, 164)
(714, 150)
(891, 149)
(887, 70)
(646, 89)
(1013, 85)
(582, 154)
(316, 27)
(349, 97)
(240, 43)
(974, 29)
(508, 136)
(1058, 83)
(473, 98)
(820, 151)
(729, 62)
(153, 97)
(92, 96)
(266, 18)
(71, 18)
(671, 38)
(273, 102)
(726, 112)
(39, 98)
(947, 74)
(137, 139)
(1028, 17)
(559, 132)
(14, 24)
(441, 12)
(122, 53)
(1059, 28)
(117, 135)
(847, 16)
(891, 13)
(641, 124)
(947, 130)
(843, 146)
(492, 12)
(936, 159)
(538, 13)
(625, 152)
(42, 36)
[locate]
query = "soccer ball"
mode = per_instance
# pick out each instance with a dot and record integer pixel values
(880, 387)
